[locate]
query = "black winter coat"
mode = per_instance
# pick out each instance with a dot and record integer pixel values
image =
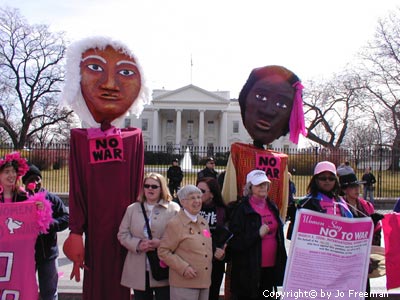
(206, 172)
(174, 175)
(46, 247)
(245, 247)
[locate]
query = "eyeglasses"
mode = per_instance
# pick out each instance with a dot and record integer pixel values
(324, 178)
(211, 162)
(203, 191)
(152, 186)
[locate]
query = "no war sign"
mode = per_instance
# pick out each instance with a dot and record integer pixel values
(106, 149)
(270, 164)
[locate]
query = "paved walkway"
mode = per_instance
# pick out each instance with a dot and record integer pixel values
(378, 285)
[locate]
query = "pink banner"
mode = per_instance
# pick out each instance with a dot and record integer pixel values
(391, 231)
(329, 257)
(18, 231)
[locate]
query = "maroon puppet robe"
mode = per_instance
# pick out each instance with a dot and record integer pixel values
(98, 197)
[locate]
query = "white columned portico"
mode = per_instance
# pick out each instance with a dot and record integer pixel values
(201, 128)
(178, 127)
(224, 129)
(155, 127)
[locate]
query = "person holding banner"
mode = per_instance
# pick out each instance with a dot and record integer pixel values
(22, 218)
(46, 248)
(360, 208)
(323, 195)
(257, 246)
(12, 168)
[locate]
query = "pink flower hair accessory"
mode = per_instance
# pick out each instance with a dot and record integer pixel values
(31, 186)
(15, 160)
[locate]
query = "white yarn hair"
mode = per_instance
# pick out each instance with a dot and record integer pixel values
(72, 94)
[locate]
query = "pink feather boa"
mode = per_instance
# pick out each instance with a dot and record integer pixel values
(44, 215)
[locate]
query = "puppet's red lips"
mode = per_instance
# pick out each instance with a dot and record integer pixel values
(263, 125)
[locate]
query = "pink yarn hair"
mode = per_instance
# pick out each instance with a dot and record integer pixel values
(296, 122)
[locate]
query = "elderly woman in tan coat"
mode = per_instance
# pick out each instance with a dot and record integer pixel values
(133, 236)
(186, 248)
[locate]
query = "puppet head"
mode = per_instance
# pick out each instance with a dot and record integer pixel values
(103, 82)
(271, 104)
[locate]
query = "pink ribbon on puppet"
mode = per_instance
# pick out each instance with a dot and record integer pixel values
(296, 122)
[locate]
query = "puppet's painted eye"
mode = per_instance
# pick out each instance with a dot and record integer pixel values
(127, 72)
(261, 97)
(95, 68)
(281, 105)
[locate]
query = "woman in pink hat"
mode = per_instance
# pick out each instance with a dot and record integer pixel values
(323, 194)
(257, 248)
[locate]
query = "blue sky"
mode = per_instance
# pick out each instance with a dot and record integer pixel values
(225, 39)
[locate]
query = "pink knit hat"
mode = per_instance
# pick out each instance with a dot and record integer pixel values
(324, 166)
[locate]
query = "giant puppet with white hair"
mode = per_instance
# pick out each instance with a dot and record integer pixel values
(104, 82)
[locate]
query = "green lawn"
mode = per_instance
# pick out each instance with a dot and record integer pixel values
(388, 182)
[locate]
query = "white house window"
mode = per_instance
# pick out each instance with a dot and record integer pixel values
(210, 126)
(235, 128)
(127, 122)
(190, 126)
(170, 126)
(145, 124)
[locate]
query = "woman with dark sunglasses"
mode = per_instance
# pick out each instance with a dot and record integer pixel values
(133, 235)
(323, 195)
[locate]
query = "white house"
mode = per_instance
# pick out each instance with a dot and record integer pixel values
(192, 116)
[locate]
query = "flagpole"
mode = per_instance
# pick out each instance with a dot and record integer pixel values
(191, 69)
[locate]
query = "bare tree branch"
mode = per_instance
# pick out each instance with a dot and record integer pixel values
(30, 78)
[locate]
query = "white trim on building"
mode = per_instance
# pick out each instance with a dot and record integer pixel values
(192, 116)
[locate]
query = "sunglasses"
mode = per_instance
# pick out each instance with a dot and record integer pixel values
(152, 186)
(325, 178)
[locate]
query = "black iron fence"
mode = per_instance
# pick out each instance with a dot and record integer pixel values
(52, 159)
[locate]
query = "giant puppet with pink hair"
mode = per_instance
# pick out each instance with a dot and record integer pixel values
(104, 83)
(271, 106)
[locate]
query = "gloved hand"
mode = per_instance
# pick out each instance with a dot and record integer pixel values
(376, 217)
(263, 230)
(73, 249)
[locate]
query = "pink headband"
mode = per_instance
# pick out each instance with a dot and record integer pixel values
(296, 122)
(22, 166)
